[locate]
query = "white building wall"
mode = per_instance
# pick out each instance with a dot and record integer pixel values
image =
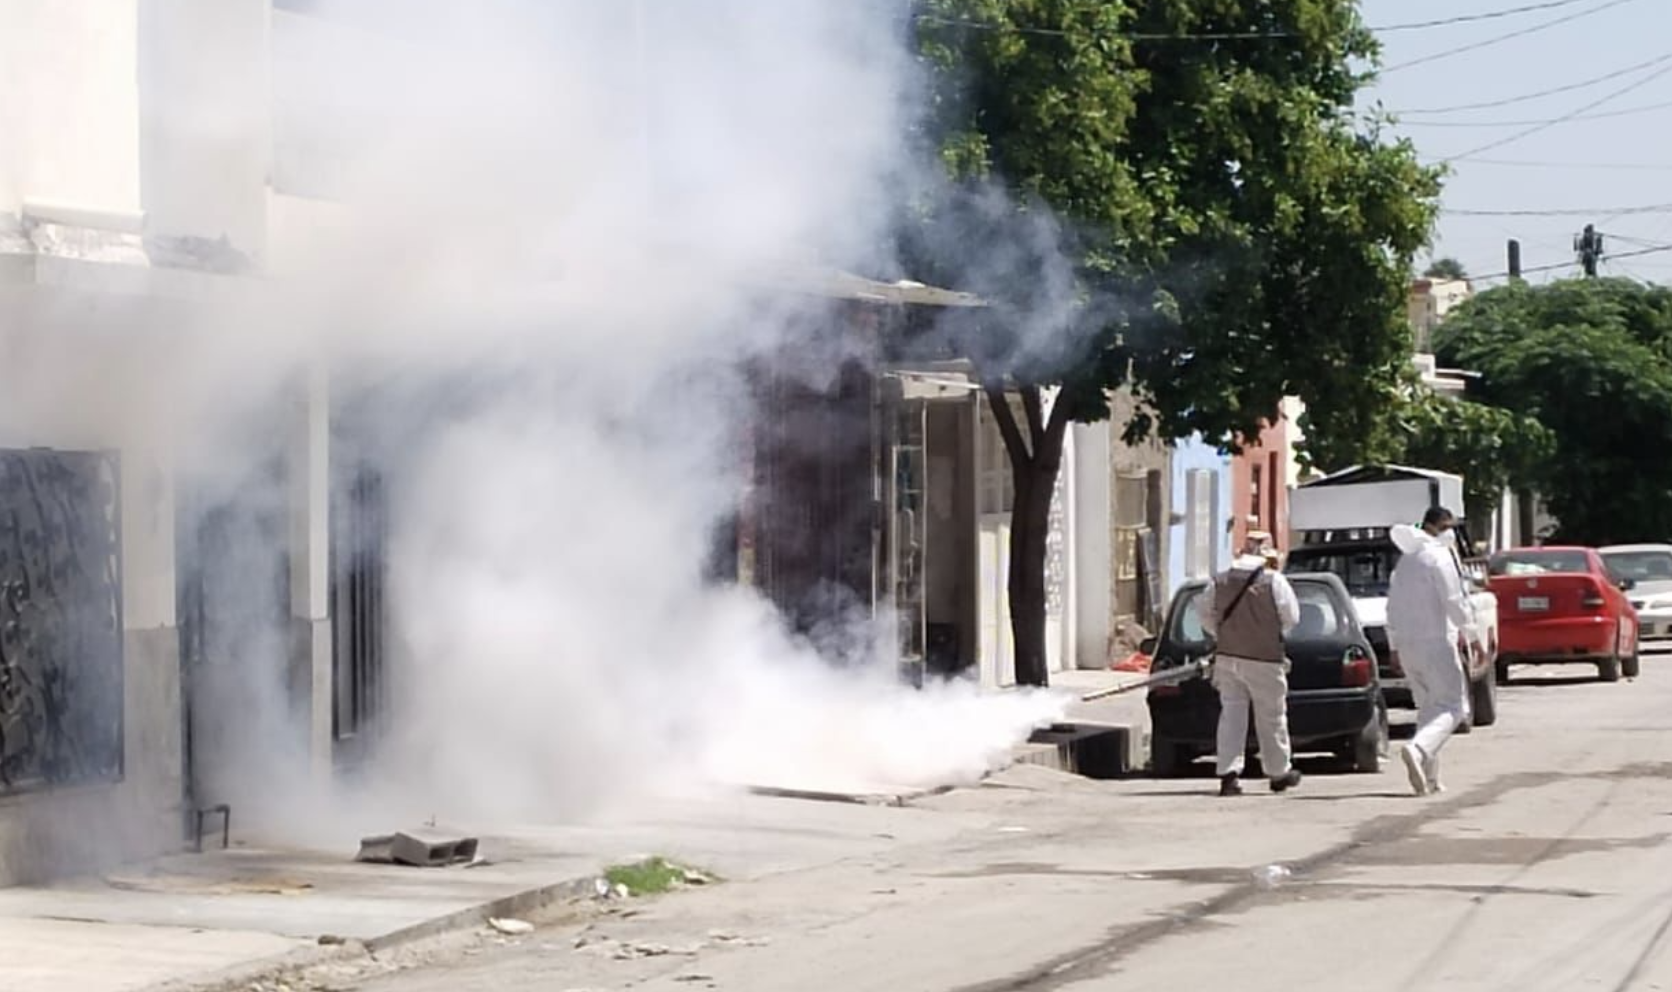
(92, 825)
(123, 117)
(69, 104)
(206, 136)
(1093, 544)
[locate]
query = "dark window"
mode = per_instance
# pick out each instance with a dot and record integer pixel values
(1539, 563)
(1364, 570)
(1640, 566)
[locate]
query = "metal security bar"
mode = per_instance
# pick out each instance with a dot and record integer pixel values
(359, 552)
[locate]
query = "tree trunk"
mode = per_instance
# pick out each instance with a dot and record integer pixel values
(1035, 462)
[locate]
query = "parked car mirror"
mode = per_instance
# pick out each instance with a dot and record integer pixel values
(1147, 646)
(1627, 585)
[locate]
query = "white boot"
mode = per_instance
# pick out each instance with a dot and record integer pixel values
(1431, 772)
(1414, 770)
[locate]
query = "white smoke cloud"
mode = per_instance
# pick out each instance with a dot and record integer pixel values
(543, 267)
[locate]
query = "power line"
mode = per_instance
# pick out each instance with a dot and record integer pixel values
(1648, 208)
(1631, 240)
(949, 22)
(1475, 46)
(953, 22)
(1533, 164)
(1564, 119)
(1577, 112)
(1525, 271)
(1525, 97)
(1568, 265)
(1490, 15)
(1126, 35)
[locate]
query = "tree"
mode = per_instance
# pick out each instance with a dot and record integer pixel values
(1590, 360)
(1490, 447)
(1445, 268)
(1175, 198)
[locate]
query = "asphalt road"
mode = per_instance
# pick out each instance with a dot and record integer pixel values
(1546, 865)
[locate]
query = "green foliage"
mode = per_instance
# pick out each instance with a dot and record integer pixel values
(1491, 448)
(653, 876)
(1591, 360)
(1232, 235)
(1445, 268)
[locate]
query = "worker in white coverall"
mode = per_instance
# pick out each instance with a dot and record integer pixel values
(1427, 611)
(1247, 611)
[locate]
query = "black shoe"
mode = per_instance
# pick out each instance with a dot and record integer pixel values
(1285, 782)
(1229, 786)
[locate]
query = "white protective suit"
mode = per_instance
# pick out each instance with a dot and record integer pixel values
(1427, 610)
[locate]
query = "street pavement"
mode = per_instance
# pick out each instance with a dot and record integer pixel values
(1546, 865)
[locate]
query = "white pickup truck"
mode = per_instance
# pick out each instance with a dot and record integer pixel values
(1339, 524)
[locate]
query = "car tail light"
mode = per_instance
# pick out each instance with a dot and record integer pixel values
(1592, 598)
(1357, 670)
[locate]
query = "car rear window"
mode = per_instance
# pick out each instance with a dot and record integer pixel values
(1321, 618)
(1539, 563)
(1363, 570)
(1640, 566)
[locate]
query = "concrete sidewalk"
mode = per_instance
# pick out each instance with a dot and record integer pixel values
(219, 919)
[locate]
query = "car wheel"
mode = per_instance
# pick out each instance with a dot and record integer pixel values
(1632, 665)
(1483, 700)
(1370, 745)
(1167, 758)
(1608, 670)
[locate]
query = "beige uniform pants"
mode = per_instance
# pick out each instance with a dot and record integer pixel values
(1262, 686)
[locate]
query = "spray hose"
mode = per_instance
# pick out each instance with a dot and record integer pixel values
(1192, 668)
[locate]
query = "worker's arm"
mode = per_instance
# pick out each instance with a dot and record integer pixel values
(1288, 607)
(1207, 610)
(1458, 608)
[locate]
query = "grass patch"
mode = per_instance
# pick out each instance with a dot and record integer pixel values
(654, 876)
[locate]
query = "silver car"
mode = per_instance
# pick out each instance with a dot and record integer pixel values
(1649, 569)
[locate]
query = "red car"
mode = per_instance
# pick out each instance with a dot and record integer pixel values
(1559, 606)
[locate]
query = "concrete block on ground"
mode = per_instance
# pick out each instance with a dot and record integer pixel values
(418, 849)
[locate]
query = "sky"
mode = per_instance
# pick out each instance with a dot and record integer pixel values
(1599, 164)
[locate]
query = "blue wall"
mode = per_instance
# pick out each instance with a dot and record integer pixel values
(1190, 455)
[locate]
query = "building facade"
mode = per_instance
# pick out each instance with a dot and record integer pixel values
(1429, 302)
(1202, 512)
(1262, 475)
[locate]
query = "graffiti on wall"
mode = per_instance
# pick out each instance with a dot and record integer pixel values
(61, 691)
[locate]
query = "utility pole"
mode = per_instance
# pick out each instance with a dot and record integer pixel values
(1589, 246)
(1514, 259)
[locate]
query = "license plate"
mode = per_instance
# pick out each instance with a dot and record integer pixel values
(1533, 604)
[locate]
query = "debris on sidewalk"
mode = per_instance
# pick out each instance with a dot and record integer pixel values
(510, 927)
(160, 883)
(591, 941)
(417, 849)
(1137, 662)
(729, 939)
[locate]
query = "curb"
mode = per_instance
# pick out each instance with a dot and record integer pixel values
(238, 977)
(855, 798)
